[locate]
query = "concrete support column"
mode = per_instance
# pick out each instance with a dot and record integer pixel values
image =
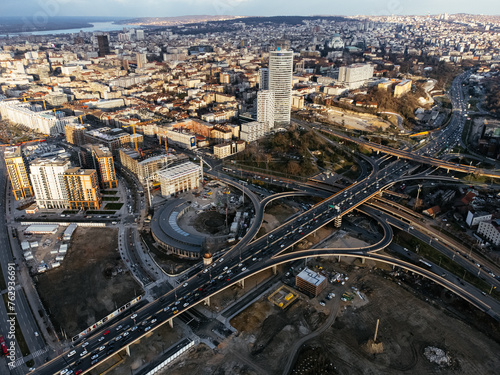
(242, 283)
(207, 301)
(275, 270)
(363, 260)
(338, 221)
(127, 350)
(171, 322)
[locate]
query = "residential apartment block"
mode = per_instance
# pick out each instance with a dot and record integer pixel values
(18, 173)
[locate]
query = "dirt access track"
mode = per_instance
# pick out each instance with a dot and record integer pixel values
(91, 282)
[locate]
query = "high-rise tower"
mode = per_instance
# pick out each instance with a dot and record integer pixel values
(280, 83)
(103, 43)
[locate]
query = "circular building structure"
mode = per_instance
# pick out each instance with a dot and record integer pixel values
(170, 236)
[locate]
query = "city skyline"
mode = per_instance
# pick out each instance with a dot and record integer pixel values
(149, 8)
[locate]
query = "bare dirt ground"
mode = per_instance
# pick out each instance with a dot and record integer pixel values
(408, 324)
(91, 282)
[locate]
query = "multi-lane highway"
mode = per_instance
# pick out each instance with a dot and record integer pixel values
(248, 258)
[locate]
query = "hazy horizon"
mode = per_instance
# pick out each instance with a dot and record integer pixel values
(40, 10)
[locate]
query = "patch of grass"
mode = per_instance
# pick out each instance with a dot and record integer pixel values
(112, 199)
(19, 334)
(113, 206)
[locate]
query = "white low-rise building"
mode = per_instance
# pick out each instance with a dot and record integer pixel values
(490, 230)
(251, 131)
(179, 178)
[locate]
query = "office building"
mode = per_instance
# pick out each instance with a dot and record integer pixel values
(48, 182)
(18, 173)
(141, 59)
(310, 282)
(139, 34)
(103, 44)
(264, 79)
(266, 108)
(356, 75)
(224, 150)
(280, 83)
(179, 178)
(82, 187)
(100, 158)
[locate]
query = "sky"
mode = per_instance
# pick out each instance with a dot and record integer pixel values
(40, 9)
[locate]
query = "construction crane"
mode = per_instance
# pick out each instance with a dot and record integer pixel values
(135, 138)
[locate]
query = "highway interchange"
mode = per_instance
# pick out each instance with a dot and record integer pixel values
(249, 257)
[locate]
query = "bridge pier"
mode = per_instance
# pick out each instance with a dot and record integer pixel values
(338, 221)
(242, 283)
(171, 322)
(207, 301)
(275, 270)
(363, 260)
(127, 350)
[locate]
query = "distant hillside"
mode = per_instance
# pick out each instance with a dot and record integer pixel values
(173, 21)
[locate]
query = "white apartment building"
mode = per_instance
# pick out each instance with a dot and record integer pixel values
(280, 82)
(48, 182)
(265, 108)
(251, 131)
(354, 76)
(179, 178)
(490, 231)
(474, 218)
(44, 122)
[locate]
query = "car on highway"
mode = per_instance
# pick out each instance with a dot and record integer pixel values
(100, 338)
(221, 260)
(85, 344)
(85, 352)
(71, 353)
(185, 285)
(186, 304)
(106, 332)
(94, 356)
(134, 316)
(78, 372)
(102, 348)
(147, 328)
(133, 328)
(154, 320)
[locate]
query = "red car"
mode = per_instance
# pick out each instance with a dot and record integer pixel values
(105, 333)
(78, 372)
